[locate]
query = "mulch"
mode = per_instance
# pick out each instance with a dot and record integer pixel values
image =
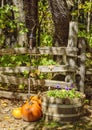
(8, 122)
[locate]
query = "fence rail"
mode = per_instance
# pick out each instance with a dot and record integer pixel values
(44, 69)
(71, 51)
(35, 82)
(64, 51)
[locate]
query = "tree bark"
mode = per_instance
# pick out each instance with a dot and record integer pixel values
(89, 20)
(22, 38)
(61, 18)
(31, 8)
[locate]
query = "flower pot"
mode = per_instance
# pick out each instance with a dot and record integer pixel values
(61, 110)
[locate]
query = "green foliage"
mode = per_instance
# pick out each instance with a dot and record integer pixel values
(43, 60)
(47, 61)
(87, 6)
(46, 39)
(25, 73)
(6, 17)
(88, 60)
(21, 86)
(82, 8)
(64, 93)
(83, 11)
(24, 60)
(45, 23)
(19, 60)
(14, 60)
(87, 35)
(8, 21)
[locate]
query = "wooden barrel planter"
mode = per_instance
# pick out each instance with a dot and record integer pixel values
(61, 110)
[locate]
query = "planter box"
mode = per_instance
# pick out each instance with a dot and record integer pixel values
(62, 110)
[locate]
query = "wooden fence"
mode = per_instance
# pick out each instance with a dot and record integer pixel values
(44, 69)
(66, 52)
(73, 66)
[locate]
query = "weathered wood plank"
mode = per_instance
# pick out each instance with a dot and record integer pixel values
(19, 69)
(33, 82)
(41, 68)
(41, 50)
(14, 51)
(50, 68)
(13, 95)
(73, 34)
(88, 71)
(52, 50)
(82, 52)
(13, 80)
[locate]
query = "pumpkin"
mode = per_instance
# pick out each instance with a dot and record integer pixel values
(17, 113)
(36, 98)
(31, 111)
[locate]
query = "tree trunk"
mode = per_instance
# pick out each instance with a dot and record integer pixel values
(31, 8)
(22, 38)
(61, 18)
(89, 20)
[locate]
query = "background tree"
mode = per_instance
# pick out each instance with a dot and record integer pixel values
(31, 11)
(22, 37)
(61, 18)
(45, 24)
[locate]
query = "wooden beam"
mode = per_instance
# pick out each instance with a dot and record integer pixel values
(19, 69)
(13, 80)
(13, 95)
(40, 50)
(73, 34)
(33, 82)
(44, 69)
(82, 66)
(8, 51)
(88, 71)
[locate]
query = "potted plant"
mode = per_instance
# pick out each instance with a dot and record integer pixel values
(63, 105)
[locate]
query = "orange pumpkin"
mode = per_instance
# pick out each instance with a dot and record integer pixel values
(17, 113)
(31, 111)
(36, 98)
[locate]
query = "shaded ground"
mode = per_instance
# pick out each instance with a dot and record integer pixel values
(7, 122)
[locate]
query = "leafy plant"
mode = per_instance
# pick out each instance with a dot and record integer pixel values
(87, 6)
(14, 60)
(45, 29)
(8, 22)
(64, 93)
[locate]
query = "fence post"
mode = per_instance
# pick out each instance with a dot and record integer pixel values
(72, 43)
(82, 58)
(73, 31)
(72, 47)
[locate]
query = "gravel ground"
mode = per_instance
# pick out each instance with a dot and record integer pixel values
(8, 122)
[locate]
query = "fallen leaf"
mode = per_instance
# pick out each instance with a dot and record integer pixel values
(5, 104)
(6, 117)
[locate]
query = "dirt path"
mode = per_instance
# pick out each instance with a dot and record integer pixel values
(7, 122)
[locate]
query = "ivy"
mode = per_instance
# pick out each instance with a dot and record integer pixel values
(9, 23)
(45, 30)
